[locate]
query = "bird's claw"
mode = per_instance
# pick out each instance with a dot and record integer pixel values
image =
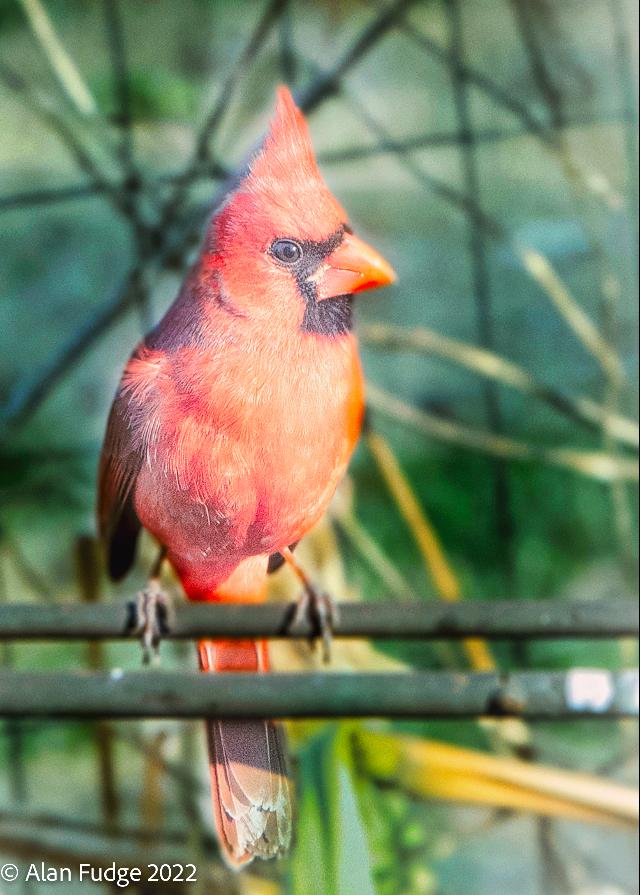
(320, 611)
(152, 613)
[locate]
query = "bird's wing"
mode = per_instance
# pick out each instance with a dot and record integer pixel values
(120, 462)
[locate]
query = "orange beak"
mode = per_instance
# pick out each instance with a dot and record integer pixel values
(352, 267)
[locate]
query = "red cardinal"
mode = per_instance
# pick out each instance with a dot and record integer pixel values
(234, 422)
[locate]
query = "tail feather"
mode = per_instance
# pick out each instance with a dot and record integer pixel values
(249, 776)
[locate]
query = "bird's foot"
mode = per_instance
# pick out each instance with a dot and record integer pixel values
(319, 610)
(151, 617)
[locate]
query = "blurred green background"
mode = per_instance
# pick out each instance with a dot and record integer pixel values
(489, 150)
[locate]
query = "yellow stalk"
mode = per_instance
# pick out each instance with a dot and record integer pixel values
(435, 561)
(437, 770)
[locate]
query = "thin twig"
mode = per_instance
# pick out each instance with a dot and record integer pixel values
(288, 59)
(60, 61)
(13, 728)
(590, 181)
(124, 118)
(369, 549)
(215, 170)
(42, 106)
(598, 465)
(327, 84)
(588, 413)
(624, 56)
(502, 500)
(533, 261)
(29, 394)
(608, 281)
(200, 154)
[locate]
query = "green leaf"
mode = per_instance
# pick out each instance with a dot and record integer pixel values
(331, 855)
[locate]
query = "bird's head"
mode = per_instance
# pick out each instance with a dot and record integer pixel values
(282, 243)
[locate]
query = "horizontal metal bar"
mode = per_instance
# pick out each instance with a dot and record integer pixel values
(535, 694)
(432, 619)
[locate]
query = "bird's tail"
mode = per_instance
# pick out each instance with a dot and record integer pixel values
(249, 778)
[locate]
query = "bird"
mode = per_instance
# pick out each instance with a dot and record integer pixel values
(233, 423)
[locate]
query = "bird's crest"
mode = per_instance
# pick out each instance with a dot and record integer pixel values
(287, 148)
(283, 192)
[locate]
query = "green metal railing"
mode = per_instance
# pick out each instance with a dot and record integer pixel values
(125, 694)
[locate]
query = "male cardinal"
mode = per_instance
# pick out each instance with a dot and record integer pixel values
(233, 423)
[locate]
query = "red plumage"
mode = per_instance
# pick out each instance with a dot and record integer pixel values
(234, 422)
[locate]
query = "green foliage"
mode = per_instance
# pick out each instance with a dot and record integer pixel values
(156, 94)
(331, 855)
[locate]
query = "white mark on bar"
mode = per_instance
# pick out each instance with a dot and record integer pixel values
(630, 687)
(589, 689)
(116, 674)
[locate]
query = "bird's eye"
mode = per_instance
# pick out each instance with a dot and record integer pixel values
(286, 250)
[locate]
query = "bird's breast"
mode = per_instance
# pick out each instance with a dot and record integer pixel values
(245, 446)
(304, 427)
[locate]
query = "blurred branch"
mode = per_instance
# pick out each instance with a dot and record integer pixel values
(288, 59)
(200, 155)
(589, 181)
(173, 769)
(433, 140)
(536, 264)
(608, 281)
(31, 576)
(372, 553)
(28, 395)
(152, 800)
(88, 575)
(504, 519)
(13, 728)
(625, 56)
(44, 108)
(524, 15)
(326, 84)
(61, 63)
(580, 323)
(620, 503)
(215, 170)
(583, 410)
(48, 196)
(124, 118)
(594, 464)
(74, 824)
(554, 875)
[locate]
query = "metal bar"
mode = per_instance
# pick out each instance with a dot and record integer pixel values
(511, 619)
(162, 694)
